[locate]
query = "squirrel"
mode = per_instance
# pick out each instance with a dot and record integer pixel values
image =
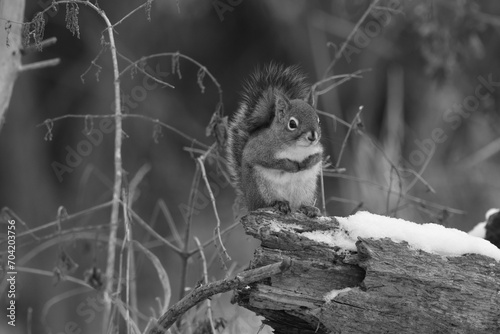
(273, 149)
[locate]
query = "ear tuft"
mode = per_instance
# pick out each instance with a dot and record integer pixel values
(281, 105)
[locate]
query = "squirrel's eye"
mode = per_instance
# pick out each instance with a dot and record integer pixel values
(293, 123)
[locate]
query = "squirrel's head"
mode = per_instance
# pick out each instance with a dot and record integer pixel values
(295, 122)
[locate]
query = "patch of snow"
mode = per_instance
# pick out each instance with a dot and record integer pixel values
(276, 226)
(479, 230)
(323, 218)
(338, 238)
(329, 296)
(491, 212)
(431, 238)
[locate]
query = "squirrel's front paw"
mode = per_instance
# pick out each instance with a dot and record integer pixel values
(310, 211)
(282, 206)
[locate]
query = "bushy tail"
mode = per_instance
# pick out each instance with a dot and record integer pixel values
(289, 81)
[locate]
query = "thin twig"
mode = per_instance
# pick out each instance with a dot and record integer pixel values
(206, 291)
(93, 63)
(482, 154)
(420, 178)
(344, 78)
(170, 221)
(131, 267)
(211, 154)
(335, 118)
(201, 161)
(43, 44)
(57, 299)
(154, 233)
(388, 199)
(130, 253)
(124, 309)
(9, 212)
(205, 281)
(337, 76)
(416, 200)
(66, 220)
(214, 238)
(29, 319)
(179, 55)
(162, 275)
(422, 169)
(335, 84)
(161, 82)
(117, 156)
(393, 166)
(156, 121)
(40, 64)
(115, 207)
(349, 37)
(73, 231)
(69, 237)
(134, 183)
(129, 14)
(322, 188)
(353, 124)
(187, 232)
(47, 273)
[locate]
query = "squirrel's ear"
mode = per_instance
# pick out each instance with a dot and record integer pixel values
(281, 105)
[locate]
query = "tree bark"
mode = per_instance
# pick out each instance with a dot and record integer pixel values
(383, 287)
(10, 46)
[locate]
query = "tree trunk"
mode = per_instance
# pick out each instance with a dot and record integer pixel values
(10, 45)
(383, 287)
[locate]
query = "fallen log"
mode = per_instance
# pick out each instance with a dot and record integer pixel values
(374, 285)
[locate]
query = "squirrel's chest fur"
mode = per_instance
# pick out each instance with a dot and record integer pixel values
(277, 176)
(297, 188)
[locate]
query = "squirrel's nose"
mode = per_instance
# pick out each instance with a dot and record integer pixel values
(312, 136)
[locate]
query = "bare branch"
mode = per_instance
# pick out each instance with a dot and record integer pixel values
(40, 65)
(68, 218)
(354, 124)
(205, 281)
(161, 82)
(419, 202)
(45, 43)
(207, 290)
(348, 39)
(154, 233)
(201, 161)
(156, 121)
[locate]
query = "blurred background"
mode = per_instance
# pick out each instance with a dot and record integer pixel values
(426, 147)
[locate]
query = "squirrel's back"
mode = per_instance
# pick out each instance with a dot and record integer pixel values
(259, 89)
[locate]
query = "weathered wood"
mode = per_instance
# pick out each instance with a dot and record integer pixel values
(392, 288)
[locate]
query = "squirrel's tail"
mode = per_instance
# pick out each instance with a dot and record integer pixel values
(289, 81)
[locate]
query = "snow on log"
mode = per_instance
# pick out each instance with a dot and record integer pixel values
(372, 274)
